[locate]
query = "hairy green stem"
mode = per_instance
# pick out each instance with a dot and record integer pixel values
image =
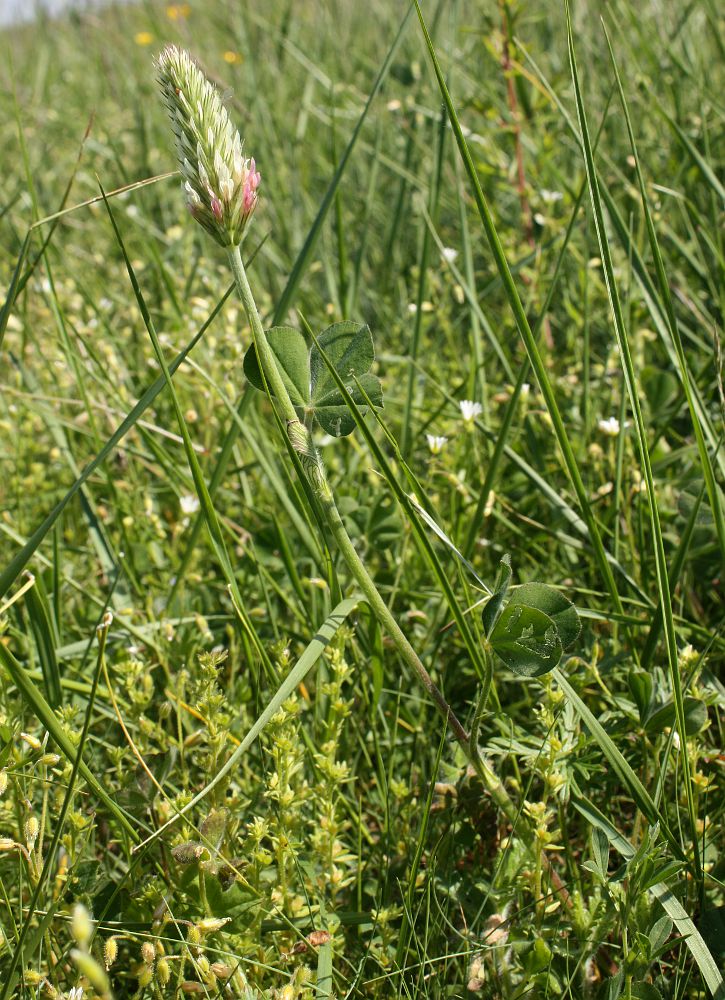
(312, 465)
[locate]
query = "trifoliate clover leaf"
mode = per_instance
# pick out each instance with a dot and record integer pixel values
(348, 347)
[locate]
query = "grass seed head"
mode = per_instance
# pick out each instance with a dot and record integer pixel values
(219, 183)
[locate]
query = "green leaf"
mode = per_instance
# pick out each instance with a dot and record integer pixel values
(640, 687)
(45, 642)
(214, 826)
(292, 356)
(612, 988)
(349, 348)
(645, 991)
(492, 610)
(527, 640)
(559, 608)
(600, 850)
(659, 933)
(695, 717)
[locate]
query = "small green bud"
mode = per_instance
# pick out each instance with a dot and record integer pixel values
(110, 952)
(81, 926)
(163, 971)
(211, 924)
(145, 976)
(32, 828)
(220, 970)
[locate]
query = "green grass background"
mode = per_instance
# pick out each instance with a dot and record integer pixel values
(381, 225)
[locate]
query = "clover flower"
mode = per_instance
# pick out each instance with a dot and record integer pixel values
(219, 183)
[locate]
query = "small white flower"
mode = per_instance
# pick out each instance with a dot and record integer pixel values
(436, 443)
(609, 427)
(676, 740)
(449, 254)
(189, 504)
(551, 196)
(75, 993)
(470, 410)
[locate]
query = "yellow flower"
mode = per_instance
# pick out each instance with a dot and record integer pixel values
(232, 57)
(143, 38)
(178, 11)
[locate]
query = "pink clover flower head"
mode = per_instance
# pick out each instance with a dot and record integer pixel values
(219, 183)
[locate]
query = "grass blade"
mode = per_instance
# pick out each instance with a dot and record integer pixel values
(17, 564)
(629, 779)
(524, 329)
(663, 586)
(45, 641)
(713, 491)
(286, 299)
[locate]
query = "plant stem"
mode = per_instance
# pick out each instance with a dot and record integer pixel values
(313, 467)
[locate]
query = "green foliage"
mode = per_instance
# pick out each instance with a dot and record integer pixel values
(349, 348)
(533, 628)
(316, 831)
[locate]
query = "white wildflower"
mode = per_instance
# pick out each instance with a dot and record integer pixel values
(470, 410)
(609, 427)
(449, 254)
(436, 443)
(189, 503)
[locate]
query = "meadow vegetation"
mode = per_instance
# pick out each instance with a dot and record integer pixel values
(220, 775)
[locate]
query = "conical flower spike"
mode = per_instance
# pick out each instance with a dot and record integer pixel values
(219, 184)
